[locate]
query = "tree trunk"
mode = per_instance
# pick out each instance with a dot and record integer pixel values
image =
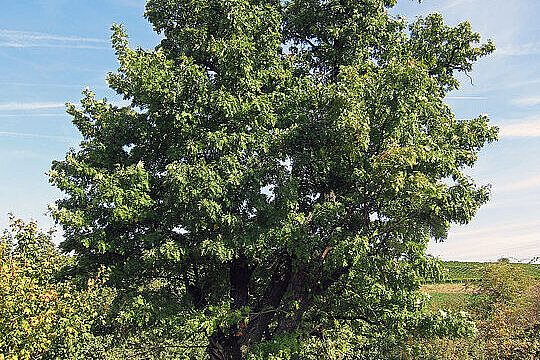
(261, 318)
(239, 276)
(224, 347)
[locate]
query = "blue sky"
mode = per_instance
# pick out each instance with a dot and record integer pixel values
(50, 50)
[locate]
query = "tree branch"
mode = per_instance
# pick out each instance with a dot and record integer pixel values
(239, 277)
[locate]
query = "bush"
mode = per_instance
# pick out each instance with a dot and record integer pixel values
(41, 317)
(508, 308)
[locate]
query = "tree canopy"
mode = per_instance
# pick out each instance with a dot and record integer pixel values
(278, 173)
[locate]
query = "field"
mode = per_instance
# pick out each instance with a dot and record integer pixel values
(461, 272)
(502, 302)
(448, 296)
(455, 289)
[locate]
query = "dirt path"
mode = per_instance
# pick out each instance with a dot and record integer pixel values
(449, 288)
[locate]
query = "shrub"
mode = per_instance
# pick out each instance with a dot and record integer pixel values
(41, 317)
(508, 308)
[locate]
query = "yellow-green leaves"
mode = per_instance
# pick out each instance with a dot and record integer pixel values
(40, 317)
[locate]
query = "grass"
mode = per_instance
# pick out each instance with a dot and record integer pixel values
(455, 291)
(448, 296)
(462, 288)
(463, 271)
(505, 325)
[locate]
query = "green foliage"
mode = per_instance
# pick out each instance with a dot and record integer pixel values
(505, 307)
(503, 283)
(454, 301)
(462, 271)
(508, 305)
(278, 174)
(41, 317)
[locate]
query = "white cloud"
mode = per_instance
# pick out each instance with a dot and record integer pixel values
(49, 45)
(519, 49)
(30, 106)
(510, 203)
(473, 97)
(529, 101)
(519, 240)
(511, 85)
(33, 115)
(532, 182)
(133, 3)
(24, 39)
(494, 229)
(27, 35)
(523, 129)
(47, 85)
(453, 3)
(39, 136)
(120, 103)
(23, 154)
(488, 248)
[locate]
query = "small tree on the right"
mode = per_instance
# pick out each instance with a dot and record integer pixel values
(507, 306)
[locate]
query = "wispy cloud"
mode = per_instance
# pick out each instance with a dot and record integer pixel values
(25, 39)
(120, 103)
(528, 101)
(472, 97)
(488, 243)
(532, 182)
(45, 85)
(133, 3)
(489, 247)
(34, 115)
(13, 106)
(529, 128)
(39, 136)
(511, 85)
(496, 229)
(453, 3)
(509, 201)
(519, 49)
(23, 154)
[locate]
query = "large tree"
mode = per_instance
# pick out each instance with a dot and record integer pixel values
(279, 171)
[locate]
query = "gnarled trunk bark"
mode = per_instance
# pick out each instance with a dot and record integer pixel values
(224, 347)
(234, 342)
